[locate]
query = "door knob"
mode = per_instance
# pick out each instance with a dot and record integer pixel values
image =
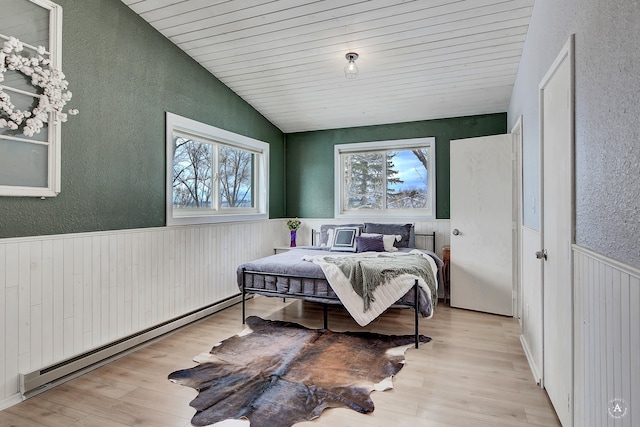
(542, 254)
(455, 232)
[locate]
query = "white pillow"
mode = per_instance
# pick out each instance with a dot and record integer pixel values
(330, 235)
(387, 240)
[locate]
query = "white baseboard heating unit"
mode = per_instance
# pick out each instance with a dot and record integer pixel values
(45, 378)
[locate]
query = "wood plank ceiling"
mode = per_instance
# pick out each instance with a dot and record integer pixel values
(419, 60)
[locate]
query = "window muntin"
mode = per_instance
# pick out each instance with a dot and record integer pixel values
(30, 166)
(386, 178)
(214, 175)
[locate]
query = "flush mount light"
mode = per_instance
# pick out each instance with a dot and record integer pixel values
(351, 69)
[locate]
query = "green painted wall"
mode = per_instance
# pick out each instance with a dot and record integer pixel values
(309, 158)
(124, 75)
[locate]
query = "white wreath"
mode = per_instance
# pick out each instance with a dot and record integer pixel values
(53, 99)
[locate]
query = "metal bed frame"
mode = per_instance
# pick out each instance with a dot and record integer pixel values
(274, 293)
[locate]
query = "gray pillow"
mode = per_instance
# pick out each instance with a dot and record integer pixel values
(405, 230)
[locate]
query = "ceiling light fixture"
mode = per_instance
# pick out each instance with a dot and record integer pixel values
(351, 69)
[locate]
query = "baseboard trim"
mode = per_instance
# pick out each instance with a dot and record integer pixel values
(10, 401)
(534, 369)
(45, 378)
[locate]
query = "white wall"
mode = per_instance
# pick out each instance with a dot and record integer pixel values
(64, 295)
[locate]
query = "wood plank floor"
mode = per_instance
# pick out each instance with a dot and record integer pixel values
(473, 373)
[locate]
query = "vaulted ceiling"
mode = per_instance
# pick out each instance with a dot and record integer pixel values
(418, 60)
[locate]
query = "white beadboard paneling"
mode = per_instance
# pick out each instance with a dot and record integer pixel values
(634, 347)
(67, 285)
(24, 304)
(57, 306)
(607, 339)
(47, 302)
(11, 368)
(87, 291)
(35, 318)
(3, 320)
(64, 295)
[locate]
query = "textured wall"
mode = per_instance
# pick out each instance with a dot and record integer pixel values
(310, 158)
(124, 76)
(607, 117)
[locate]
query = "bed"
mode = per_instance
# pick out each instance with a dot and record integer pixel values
(345, 266)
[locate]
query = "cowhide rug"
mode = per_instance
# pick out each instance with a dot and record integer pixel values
(280, 373)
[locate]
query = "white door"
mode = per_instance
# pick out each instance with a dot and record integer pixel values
(557, 233)
(516, 167)
(481, 224)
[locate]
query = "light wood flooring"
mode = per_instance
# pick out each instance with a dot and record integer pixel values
(473, 373)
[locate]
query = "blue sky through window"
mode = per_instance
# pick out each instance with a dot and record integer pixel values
(410, 170)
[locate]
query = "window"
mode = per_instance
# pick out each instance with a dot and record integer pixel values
(385, 178)
(214, 175)
(30, 166)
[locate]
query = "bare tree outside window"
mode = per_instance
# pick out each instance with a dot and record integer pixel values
(213, 175)
(236, 182)
(192, 180)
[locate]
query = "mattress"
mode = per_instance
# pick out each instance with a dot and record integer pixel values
(291, 274)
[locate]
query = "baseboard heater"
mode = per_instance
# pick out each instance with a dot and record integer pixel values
(43, 379)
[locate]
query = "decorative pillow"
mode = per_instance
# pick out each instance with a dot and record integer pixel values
(404, 230)
(324, 232)
(387, 240)
(345, 239)
(330, 236)
(370, 243)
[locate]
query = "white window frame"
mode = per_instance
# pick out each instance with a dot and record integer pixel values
(54, 134)
(340, 150)
(260, 211)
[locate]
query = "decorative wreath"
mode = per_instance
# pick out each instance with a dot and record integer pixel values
(52, 100)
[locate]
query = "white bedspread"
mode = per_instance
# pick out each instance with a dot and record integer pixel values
(383, 296)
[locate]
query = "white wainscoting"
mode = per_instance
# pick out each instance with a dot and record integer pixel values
(607, 339)
(63, 295)
(531, 321)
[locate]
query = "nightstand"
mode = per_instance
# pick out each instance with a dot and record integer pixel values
(446, 273)
(281, 249)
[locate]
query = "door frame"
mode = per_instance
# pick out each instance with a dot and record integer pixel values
(517, 183)
(566, 53)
